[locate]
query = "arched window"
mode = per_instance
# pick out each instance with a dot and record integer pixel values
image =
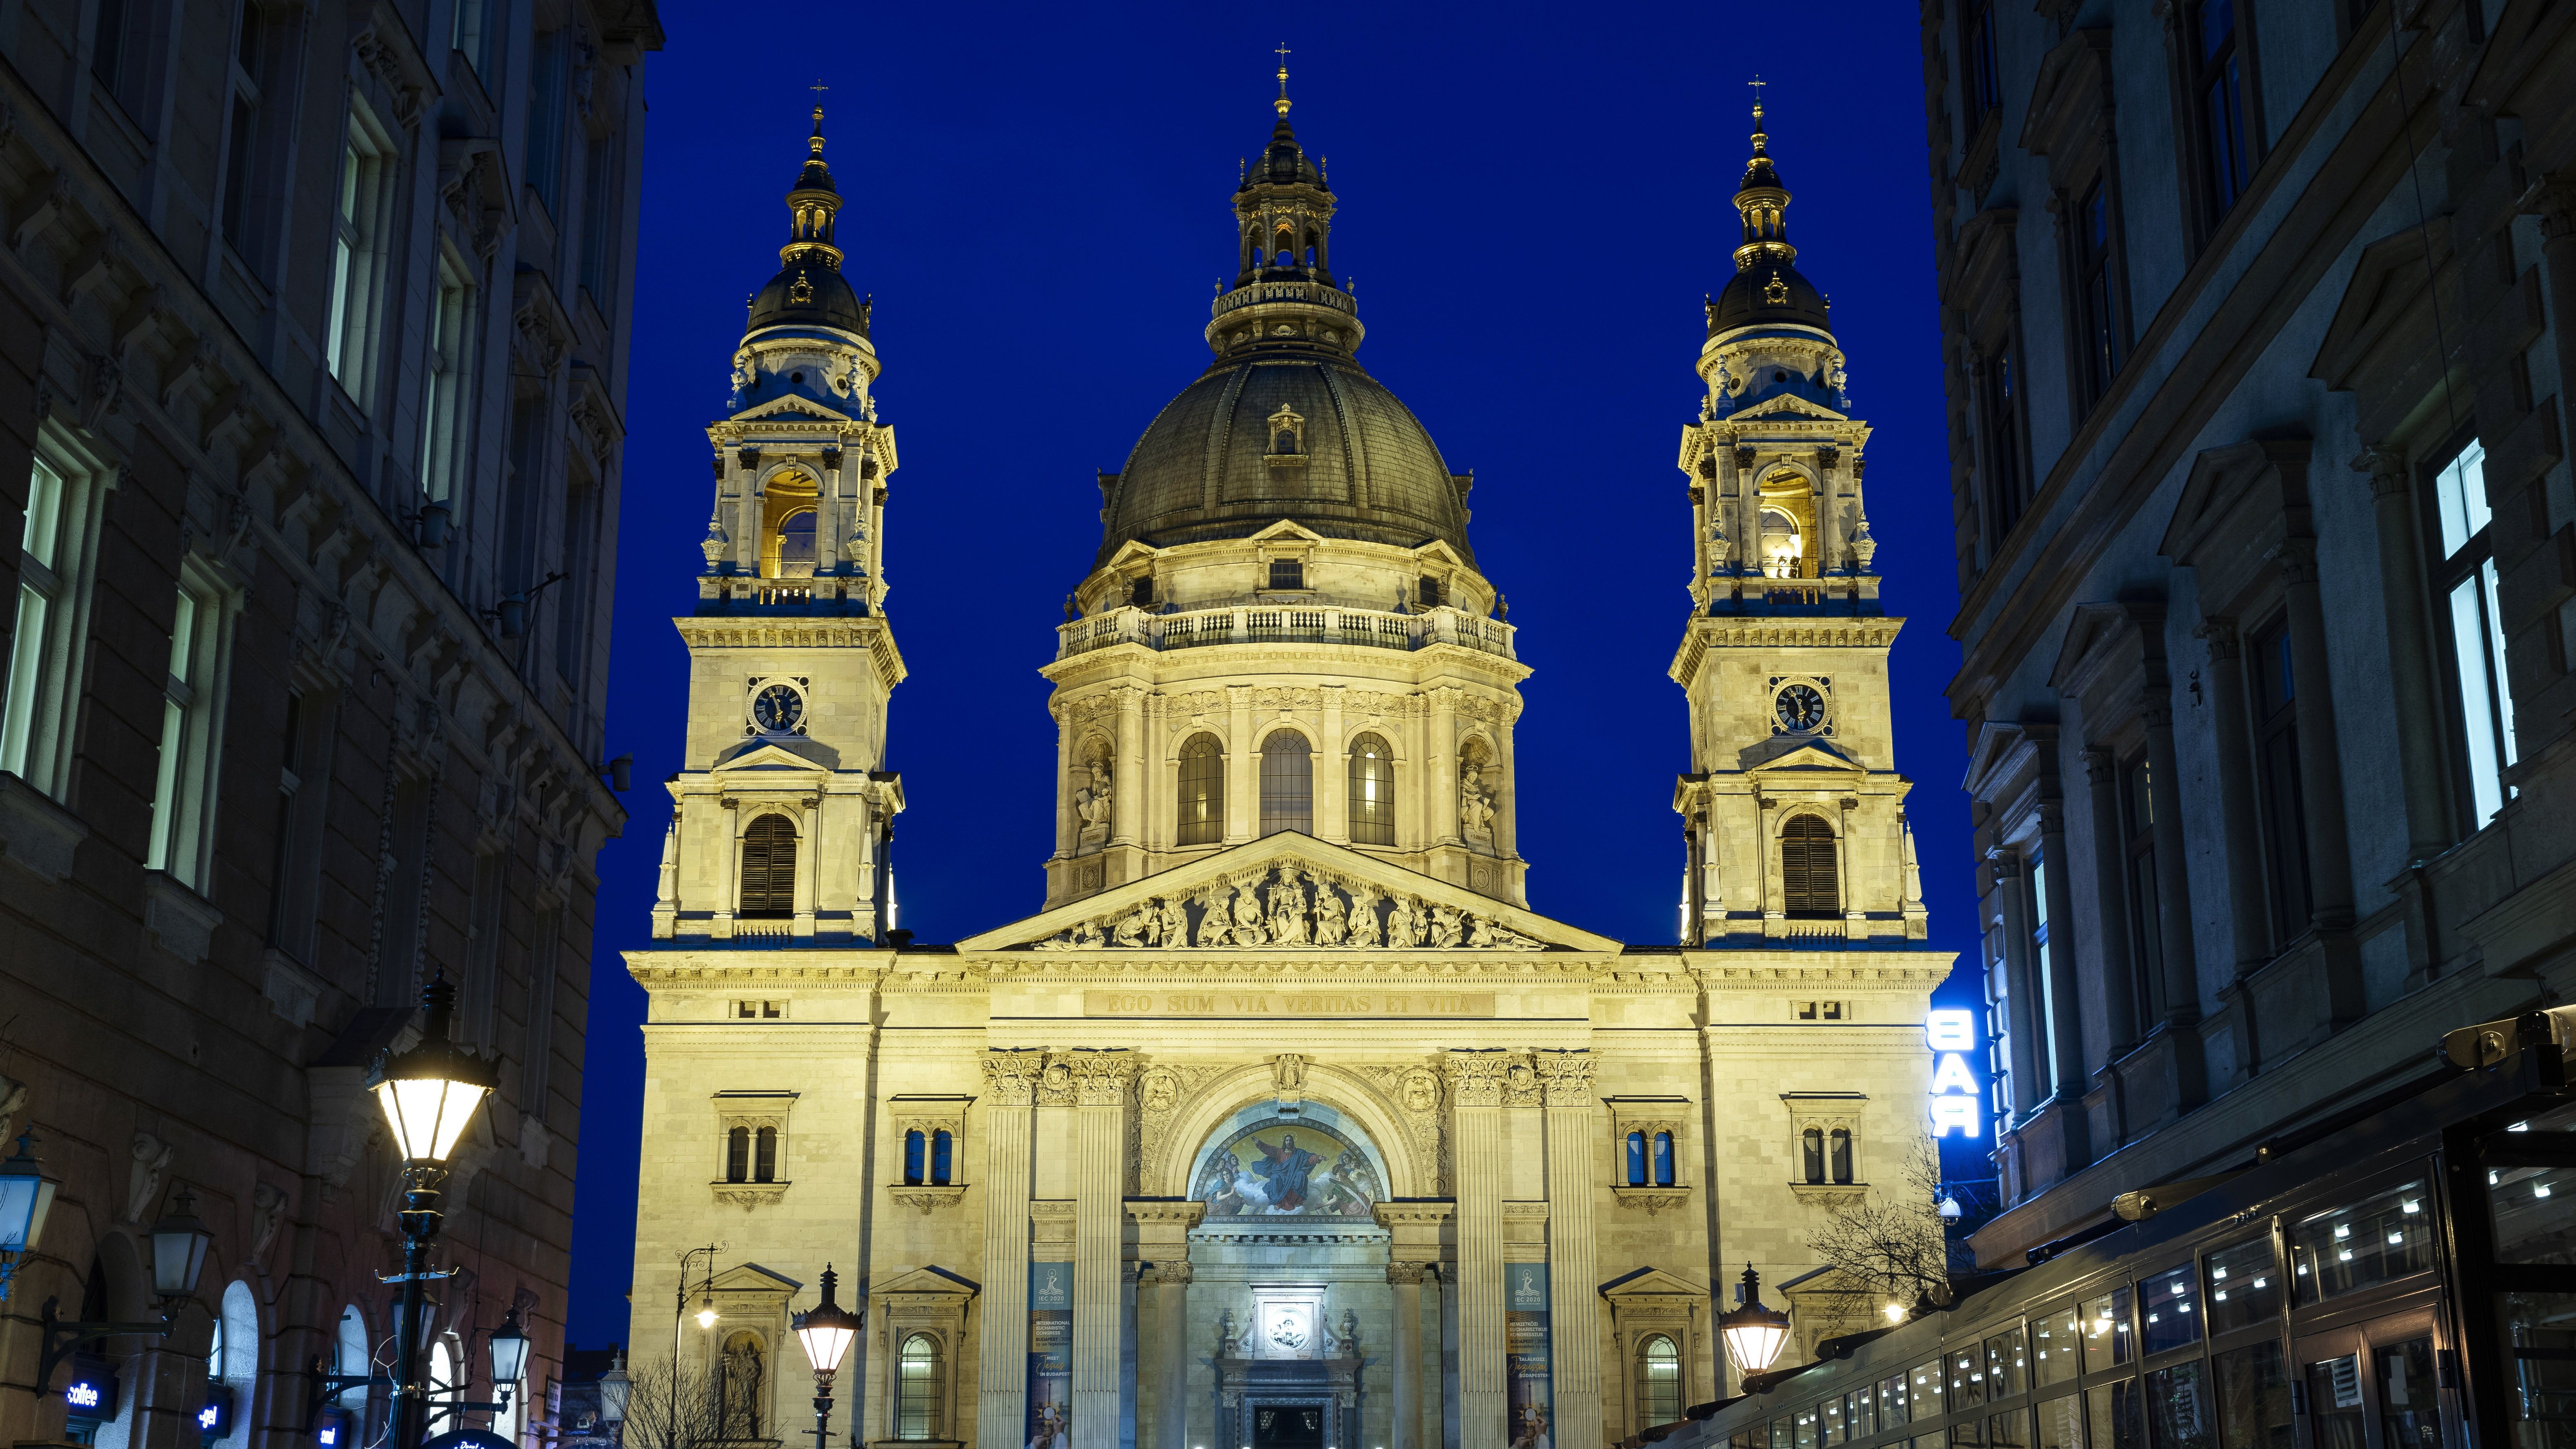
(1810, 883)
(943, 1154)
(1839, 1144)
(796, 543)
(768, 868)
(1636, 1159)
(1287, 783)
(1663, 1159)
(1372, 792)
(916, 1409)
(349, 1358)
(1782, 548)
(1659, 1382)
(764, 1156)
(1812, 1145)
(913, 1144)
(442, 1372)
(1202, 802)
(738, 1154)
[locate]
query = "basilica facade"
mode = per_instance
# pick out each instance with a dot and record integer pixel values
(1285, 1120)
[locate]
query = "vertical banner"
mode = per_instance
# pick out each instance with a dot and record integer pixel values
(1050, 1391)
(1525, 1354)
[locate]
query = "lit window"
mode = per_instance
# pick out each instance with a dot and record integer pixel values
(183, 790)
(917, 1389)
(2465, 582)
(1202, 793)
(1287, 784)
(1372, 785)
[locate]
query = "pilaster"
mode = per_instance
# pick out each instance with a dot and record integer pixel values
(1573, 1248)
(1002, 1356)
(1476, 1110)
(1100, 1081)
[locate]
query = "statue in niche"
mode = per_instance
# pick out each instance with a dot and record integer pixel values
(1247, 917)
(1091, 799)
(1288, 1070)
(1174, 923)
(1329, 927)
(1476, 813)
(740, 1392)
(1363, 927)
(1288, 909)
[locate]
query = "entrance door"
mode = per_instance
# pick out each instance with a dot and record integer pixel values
(1288, 1426)
(2375, 1385)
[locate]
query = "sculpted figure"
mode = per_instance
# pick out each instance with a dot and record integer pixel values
(1476, 813)
(1444, 927)
(1403, 926)
(1363, 929)
(1135, 927)
(1328, 917)
(1480, 932)
(1091, 799)
(1175, 922)
(1247, 917)
(1216, 925)
(1288, 909)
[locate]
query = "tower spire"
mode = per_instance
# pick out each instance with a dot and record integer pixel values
(1761, 200)
(1282, 102)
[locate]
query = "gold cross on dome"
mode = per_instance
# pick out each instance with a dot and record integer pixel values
(1757, 84)
(1283, 77)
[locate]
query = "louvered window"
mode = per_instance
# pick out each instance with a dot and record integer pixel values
(768, 868)
(1809, 882)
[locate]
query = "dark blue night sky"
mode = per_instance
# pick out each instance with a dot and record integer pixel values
(1534, 201)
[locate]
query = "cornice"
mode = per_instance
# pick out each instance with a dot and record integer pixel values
(1344, 966)
(1775, 631)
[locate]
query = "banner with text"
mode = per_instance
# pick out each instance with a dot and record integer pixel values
(1050, 1391)
(1525, 1354)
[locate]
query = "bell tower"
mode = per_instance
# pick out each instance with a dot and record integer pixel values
(784, 807)
(1793, 813)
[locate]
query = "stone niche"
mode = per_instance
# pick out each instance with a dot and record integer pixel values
(1289, 1360)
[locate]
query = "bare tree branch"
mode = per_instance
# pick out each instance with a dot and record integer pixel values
(672, 1406)
(1889, 1246)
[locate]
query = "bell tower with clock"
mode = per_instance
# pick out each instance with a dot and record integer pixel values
(1793, 813)
(785, 810)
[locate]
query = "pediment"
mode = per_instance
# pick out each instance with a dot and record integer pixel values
(1651, 1283)
(1288, 528)
(1808, 757)
(797, 755)
(1132, 551)
(1246, 886)
(1787, 404)
(792, 407)
(930, 1282)
(752, 1278)
(1439, 549)
(1995, 743)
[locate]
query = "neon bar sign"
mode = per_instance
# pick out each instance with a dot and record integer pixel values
(1955, 1105)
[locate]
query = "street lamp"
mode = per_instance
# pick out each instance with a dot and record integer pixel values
(615, 1388)
(825, 1330)
(26, 1194)
(428, 1095)
(1753, 1333)
(179, 1243)
(509, 1347)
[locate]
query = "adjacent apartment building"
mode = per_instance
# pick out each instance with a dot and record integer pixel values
(2258, 340)
(313, 343)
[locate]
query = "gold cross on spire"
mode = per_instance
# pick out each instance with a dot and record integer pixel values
(1283, 78)
(1757, 84)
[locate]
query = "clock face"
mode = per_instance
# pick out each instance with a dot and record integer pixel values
(1799, 708)
(778, 708)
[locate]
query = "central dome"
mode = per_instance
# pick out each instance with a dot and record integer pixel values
(1216, 462)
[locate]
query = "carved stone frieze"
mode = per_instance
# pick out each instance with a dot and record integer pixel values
(1304, 908)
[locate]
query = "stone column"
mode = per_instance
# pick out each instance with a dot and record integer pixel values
(2412, 691)
(2066, 1022)
(1406, 1433)
(809, 864)
(1748, 513)
(1127, 786)
(1441, 751)
(1242, 768)
(1573, 1249)
(1100, 1145)
(1774, 909)
(729, 867)
(1067, 832)
(2249, 932)
(1002, 1348)
(1507, 806)
(1828, 542)
(1855, 915)
(1476, 1102)
(1163, 1242)
(2320, 760)
(2173, 879)
(1332, 773)
(2111, 889)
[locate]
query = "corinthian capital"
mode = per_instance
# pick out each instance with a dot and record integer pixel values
(1567, 1077)
(1476, 1078)
(1100, 1077)
(2386, 468)
(1011, 1076)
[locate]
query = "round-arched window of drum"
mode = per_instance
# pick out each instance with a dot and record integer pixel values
(1202, 797)
(1810, 881)
(916, 1409)
(1659, 1381)
(1372, 792)
(768, 868)
(1287, 783)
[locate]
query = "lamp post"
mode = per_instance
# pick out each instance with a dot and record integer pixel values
(615, 1389)
(26, 1195)
(179, 1243)
(429, 1095)
(1753, 1332)
(825, 1331)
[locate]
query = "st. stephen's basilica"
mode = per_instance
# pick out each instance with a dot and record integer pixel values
(1510, 1175)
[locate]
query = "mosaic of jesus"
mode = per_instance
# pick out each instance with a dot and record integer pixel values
(1288, 1169)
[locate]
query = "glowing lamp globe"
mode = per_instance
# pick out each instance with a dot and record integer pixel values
(429, 1093)
(509, 1348)
(26, 1195)
(827, 1328)
(1753, 1333)
(179, 1243)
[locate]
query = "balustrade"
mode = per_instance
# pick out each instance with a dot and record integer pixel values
(1280, 624)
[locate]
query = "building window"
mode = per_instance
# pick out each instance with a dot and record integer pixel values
(1287, 573)
(2217, 59)
(1983, 84)
(768, 868)
(546, 77)
(476, 26)
(737, 1154)
(1427, 592)
(242, 141)
(1287, 783)
(915, 1157)
(1811, 1145)
(916, 1414)
(1636, 1159)
(1809, 878)
(598, 223)
(2138, 831)
(1838, 1152)
(350, 1358)
(580, 568)
(357, 251)
(1140, 593)
(115, 57)
(2097, 322)
(192, 694)
(1372, 792)
(2284, 815)
(1202, 798)
(764, 1154)
(1999, 413)
(1663, 1159)
(943, 1157)
(46, 654)
(443, 415)
(536, 1070)
(1659, 1382)
(796, 545)
(2471, 629)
